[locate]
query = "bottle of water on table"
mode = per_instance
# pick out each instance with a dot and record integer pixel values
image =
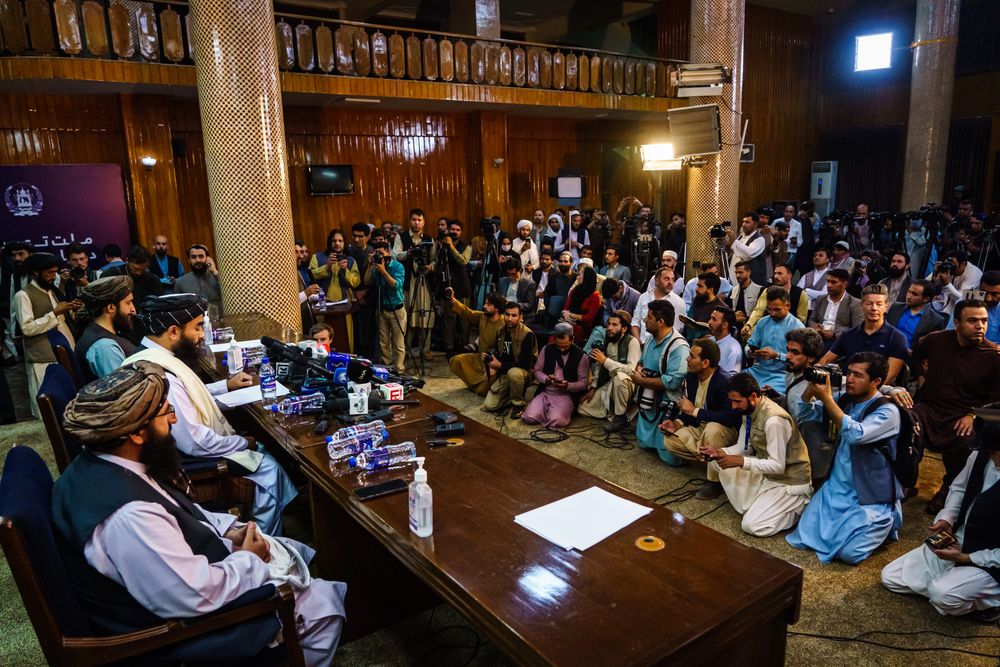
(384, 457)
(268, 385)
(297, 405)
(352, 440)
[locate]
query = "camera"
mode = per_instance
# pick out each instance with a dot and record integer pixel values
(602, 347)
(76, 273)
(670, 409)
(947, 266)
(818, 375)
(650, 373)
(422, 253)
(489, 356)
(720, 229)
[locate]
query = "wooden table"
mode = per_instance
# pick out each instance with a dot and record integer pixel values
(704, 599)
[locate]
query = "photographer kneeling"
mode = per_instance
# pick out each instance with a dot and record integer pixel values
(705, 416)
(611, 388)
(509, 365)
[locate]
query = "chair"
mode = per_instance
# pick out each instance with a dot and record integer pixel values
(65, 356)
(212, 482)
(63, 629)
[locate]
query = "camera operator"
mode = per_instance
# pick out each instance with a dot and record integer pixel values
(675, 237)
(968, 523)
(961, 372)
(509, 367)
(705, 417)
(518, 288)
(489, 321)
(612, 360)
(524, 247)
(484, 264)
(858, 508)
(417, 252)
(953, 276)
(79, 274)
(386, 277)
(974, 237)
(660, 373)
(453, 263)
(364, 324)
(766, 344)
(765, 474)
(750, 247)
(803, 347)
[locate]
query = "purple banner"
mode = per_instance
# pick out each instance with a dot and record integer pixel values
(52, 206)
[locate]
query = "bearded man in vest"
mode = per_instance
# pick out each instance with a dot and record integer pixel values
(100, 349)
(175, 340)
(39, 308)
(611, 387)
(139, 552)
(766, 473)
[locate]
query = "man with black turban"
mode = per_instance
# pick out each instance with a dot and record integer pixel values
(108, 302)
(175, 340)
(39, 309)
(140, 552)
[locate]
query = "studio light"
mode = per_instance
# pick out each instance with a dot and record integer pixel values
(699, 80)
(659, 157)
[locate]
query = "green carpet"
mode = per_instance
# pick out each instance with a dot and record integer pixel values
(837, 600)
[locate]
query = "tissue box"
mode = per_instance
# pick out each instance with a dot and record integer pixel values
(391, 391)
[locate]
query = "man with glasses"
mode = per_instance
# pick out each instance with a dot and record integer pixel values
(142, 536)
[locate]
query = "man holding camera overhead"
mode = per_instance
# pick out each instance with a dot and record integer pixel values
(417, 252)
(750, 247)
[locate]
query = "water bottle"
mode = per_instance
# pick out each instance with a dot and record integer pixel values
(234, 358)
(352, 440)
(207, 327)
(268, 385)
(384, 457)
(296, 405)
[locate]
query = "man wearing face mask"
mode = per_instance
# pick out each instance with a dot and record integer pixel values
(176, 341)
(203, 279)
(100, 349)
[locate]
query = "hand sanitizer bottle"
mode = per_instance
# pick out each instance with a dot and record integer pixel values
(421, 500)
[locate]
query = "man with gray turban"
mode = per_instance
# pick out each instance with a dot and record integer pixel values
(140, 552)
(108, 302)
(38, 309)
(175, 340)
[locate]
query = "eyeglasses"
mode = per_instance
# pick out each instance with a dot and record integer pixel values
(166, 413)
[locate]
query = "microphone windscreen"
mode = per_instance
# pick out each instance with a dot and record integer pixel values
(359, 372)
(269, 342)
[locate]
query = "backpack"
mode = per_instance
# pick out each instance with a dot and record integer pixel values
(909, 447)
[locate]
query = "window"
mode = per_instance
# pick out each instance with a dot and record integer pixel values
(872, 52)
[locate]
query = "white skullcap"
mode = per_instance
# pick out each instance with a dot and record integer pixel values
(521, 224)
(670, 253)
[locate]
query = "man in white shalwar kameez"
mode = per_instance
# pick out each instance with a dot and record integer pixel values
(122, 512)
(766, 474)
(175, 342)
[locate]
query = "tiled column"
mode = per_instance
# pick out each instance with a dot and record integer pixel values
(934, 43)
(244, 134)
(713, 190)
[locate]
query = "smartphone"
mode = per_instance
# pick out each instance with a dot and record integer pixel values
(378, 490)
(941, 540)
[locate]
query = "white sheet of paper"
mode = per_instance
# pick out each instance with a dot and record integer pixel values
(582, 520)
(248, 395)
(222, 347)
(337, 303)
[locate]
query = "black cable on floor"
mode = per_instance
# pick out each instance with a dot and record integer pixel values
(592, 433)
(680, 494)
(909, 649)
(719, 506)
(548, 436)
(479, 642)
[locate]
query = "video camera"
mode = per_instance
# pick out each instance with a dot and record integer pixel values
(421, 253)
(720, 229)
(670, 409)
(818, 374)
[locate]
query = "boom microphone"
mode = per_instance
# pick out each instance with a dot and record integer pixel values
(293, 354)
(375, 402)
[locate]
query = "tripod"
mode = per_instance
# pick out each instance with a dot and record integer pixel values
(486, 283)
(420, 288)
(723, 256)
(988, 251)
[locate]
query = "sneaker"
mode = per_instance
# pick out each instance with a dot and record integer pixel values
(617, 424)
(709, 491)
(516, 411)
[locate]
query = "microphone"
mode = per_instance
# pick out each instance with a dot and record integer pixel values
(375, 402)
(361, 372)
(294, 355)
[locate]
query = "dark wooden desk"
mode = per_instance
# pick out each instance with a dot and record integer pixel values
(704, 599)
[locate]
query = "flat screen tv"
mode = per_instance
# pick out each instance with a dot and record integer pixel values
(331, 179)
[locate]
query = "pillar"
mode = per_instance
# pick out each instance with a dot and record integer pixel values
(244, 135)
(476, 17)
(935, 39)
(713, 189)
(489, 188)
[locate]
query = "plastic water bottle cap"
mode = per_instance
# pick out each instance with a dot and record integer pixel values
(274, 408)
(352, 461)
(265, 360)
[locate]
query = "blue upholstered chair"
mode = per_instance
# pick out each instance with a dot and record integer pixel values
(65, 356)
(236, 632)
(57, 390)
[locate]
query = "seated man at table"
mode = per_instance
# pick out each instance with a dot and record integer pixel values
(858, 508)
(468, 366)
(765, 474)
(138, 551)
(707, 417)
(100, 349)
(175, 341)
(561, 372)
(971, 515)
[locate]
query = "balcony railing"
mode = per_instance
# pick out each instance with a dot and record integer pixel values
(154, 32)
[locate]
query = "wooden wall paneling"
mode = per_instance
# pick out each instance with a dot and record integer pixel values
(608, 74)
(397, 56)
(15, 39)
(673, 28)
(146, 129)
(68, 26)
(380, 54)
(558, 70)
(40, 26)
(446, 54)
(629, 76)
(430, 57)
(618, 64)
(518, 66)
(413, 65)
(95, 28)
(173, 39)
(572, 80)
(596, 68)
(461, 62)
(362, 53)
(505, 65)
(650, 79)
(149, 41)
(489, 182)
(304, 47)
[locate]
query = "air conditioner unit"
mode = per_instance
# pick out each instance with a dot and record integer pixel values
(699, 80)
(823, 186)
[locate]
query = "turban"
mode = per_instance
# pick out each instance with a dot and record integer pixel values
(572, 213)
(160, 312)
(555, 216)
(41, 261)
(522, 224)
(118, 404)
(626, 317)
(105, 292)
(670, 253)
